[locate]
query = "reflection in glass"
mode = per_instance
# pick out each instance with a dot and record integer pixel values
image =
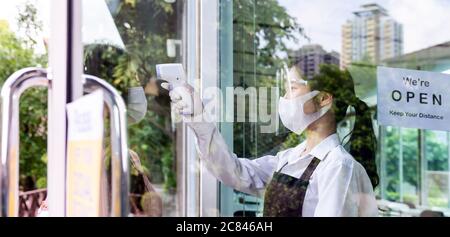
(124, 42)
(22, 44)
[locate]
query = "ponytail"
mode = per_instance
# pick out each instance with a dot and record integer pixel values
(363, 142)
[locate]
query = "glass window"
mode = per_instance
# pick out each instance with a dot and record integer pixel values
(260, 32)
(123, 42)
(259, 38)
(330, 46)
(24, 30)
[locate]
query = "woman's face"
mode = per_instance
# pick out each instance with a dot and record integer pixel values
(295, 89)
(295, 85)
(298, 88)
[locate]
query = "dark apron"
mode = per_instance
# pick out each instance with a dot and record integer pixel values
(285, 194)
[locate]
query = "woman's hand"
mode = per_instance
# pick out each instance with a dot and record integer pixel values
(186, 102)
(44, 206)
(43, 209)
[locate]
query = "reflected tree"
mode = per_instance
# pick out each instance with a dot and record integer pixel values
(260, 32)
(17, 51)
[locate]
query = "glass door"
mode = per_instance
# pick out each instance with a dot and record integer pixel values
(258, 38)
(123, 41)
(24, 36)
(120, 42)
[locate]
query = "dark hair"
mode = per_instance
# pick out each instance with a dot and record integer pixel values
(362, 141)
(101, 59)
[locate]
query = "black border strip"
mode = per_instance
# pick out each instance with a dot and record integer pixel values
(69, 51)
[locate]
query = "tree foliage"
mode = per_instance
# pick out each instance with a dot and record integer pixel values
(144, 26)
(260, 32)
(16, 53)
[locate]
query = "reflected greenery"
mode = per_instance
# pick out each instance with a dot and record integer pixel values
(17, 52)
(144, 26)
(260, 32)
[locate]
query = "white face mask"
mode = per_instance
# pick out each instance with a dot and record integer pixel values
(292, 113)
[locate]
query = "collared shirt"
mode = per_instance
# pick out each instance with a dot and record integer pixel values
(339, 186)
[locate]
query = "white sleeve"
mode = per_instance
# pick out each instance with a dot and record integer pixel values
(335, 187)
(245, 175)
(345, 191)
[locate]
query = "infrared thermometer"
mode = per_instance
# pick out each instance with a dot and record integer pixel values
(174, 74)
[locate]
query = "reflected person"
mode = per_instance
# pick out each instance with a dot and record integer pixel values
(318, 177)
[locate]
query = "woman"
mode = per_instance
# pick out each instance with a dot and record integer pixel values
(151, 200)
(100, 61)
(316, 178)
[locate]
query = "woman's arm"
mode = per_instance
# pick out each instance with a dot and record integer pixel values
(249, 176)
(245, 175)
(345, 191)
(334, 186)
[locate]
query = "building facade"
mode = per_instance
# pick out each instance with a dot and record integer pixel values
(372, 35)
(310, 57)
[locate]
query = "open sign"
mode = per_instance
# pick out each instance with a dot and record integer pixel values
(413, 99)
(422, 98)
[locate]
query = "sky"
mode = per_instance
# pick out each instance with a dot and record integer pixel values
(9, 11)
(424, 21)
(98, 25)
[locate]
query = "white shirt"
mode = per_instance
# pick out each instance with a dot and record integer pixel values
(339, 186)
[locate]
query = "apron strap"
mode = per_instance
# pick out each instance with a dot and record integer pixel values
(310, 169)
(305, 179)
(283, 167)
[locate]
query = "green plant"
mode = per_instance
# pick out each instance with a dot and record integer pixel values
(17, 53)
(260, 32)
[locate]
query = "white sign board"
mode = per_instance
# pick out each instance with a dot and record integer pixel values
(413, 99)
(84, 155)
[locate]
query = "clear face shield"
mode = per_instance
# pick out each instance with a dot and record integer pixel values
(297, 108)
(292, 84)
(137, 105)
